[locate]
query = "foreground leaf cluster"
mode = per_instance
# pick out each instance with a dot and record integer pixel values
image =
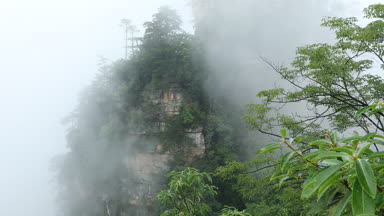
(344, 175)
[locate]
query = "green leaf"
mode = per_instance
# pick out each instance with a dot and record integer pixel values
(361, 111)
(379, 201)
(312, 154)
(346, 149)
(351, 139)
(362, 203)
(297, 139)
(283, 133)
(378, 166)
(270, 147)
(331, 162)
(376, 154)
(331, 155)
(368, 152)
(380, 142)
(378, 135)
(367, 136)
(285, 160)
(366, 177)
(338, 210)
(375, 111)
(316, 180)
(374, 104)
(360, 151)
(332, 180)
(320, 142)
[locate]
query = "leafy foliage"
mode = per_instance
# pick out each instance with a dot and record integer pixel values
(343, 175)
(250, 179)
(332, 79)
(231, 211)
(186, 193)
(341, 172)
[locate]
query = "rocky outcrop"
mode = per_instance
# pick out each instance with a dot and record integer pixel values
(169, 103)
(197, 147)
(149, 168)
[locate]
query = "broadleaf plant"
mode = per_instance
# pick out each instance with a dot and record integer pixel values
(347, 167)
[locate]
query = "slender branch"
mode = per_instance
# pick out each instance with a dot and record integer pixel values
(254, 171)
(300, 154)
(279, 72)
(268, 133)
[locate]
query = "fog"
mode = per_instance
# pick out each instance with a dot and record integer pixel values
(237, 37)
(49, 52)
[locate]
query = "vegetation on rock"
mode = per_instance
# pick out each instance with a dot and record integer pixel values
(143, 116)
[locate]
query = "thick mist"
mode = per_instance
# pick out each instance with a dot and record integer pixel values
(49, 52)
(237, 35)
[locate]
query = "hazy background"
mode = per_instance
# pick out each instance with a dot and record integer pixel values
(48, 52)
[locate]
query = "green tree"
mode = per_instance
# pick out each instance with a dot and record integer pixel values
(251, 180)
(336, 81)
(168, 55)
(186, 193)
(165, 23)
(333, 80)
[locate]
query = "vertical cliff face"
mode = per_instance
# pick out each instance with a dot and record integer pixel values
(169, 104)
(172, 102)
(197, 149)
(150, 166)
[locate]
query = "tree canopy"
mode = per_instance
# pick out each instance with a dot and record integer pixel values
(334, 80)
(338, 84)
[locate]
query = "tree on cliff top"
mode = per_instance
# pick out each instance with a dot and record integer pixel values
(169, 55)
(164, 24)
(103, 130)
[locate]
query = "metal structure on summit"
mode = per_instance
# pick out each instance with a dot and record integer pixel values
(132, 43)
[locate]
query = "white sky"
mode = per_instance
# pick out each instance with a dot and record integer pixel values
(48, 53)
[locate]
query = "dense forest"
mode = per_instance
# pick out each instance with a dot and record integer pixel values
(147, 138)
